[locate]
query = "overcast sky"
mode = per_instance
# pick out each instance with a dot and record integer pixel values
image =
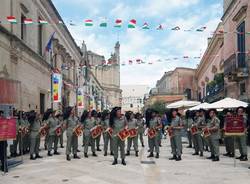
(148, 45)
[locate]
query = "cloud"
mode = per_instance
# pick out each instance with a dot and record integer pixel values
(163, 7)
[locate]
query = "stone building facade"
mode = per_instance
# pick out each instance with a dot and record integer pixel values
(180, 81)
(235, 21)
(108, 74)
(24, 62)
(210, 71)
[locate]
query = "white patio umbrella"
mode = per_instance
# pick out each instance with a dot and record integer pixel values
(200, 106)
(227, 103)
(183, 104)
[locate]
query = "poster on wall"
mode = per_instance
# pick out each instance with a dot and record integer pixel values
(80, 98)
(57, 87)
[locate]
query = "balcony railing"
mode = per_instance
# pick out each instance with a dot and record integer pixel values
(235, 67)
(214, 93)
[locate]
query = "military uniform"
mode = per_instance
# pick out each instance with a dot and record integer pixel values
(89, 123)
(26, 138)
(154, 142)
(175, 140)
(198, 142)
(242, 142)
(98, 139)
(61, 137)
(72, 139)
(106, 137)
(188, 124)
(229, 143)
(53, 139)
(34, 138)
(141, 131)
(119, 125)
(131, 125)
(213, 139)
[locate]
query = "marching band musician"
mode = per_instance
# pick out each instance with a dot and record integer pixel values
(199, 123)
(203, 123)
(26, 137)
(228, 140)
(52, 123)
(71, 122)
(241, 140)
(132, 124)
(140, 124)
(153, 124)
(89, 120)
(107, 137)
(175, 140)
(60, 119)
(98, 139)
(213, 126)
(188, 124)
(118, 123)
(35, 125)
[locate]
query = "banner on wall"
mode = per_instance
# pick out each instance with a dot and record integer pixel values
(80, 98)
(7, 129)
(57, 87)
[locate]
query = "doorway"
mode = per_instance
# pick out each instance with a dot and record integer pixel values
(42, 103)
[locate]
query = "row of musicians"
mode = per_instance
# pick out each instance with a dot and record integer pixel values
(196, 121)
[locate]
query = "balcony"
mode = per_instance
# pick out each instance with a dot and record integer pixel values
(235, 67)
(215, 89)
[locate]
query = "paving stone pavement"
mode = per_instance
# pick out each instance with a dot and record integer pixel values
(139, 170)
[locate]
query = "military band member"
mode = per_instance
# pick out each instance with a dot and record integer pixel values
(118, 123)
(132, 124)
(52, 124)
(140, 124)
(106, 136)
(153, 123)
(228, 140)
(175, 140)
(89, 121)
(188, 124)
(71, 121)
(98, 139)
(242, 140)
(199, 123)
(60, 119)
(203, 124)
(213, 140)
(35, 125)
(26, 135)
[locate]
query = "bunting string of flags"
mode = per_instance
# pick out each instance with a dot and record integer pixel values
(139, 61)
(118, 23)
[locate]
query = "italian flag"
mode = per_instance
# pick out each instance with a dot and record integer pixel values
(28, 21)
(145, 26)
(118, 23)
(42, 21)
(104, 23)
(12, 19)
(88, 22)
(132, 23)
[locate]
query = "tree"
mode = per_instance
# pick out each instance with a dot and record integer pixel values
(159, 106)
